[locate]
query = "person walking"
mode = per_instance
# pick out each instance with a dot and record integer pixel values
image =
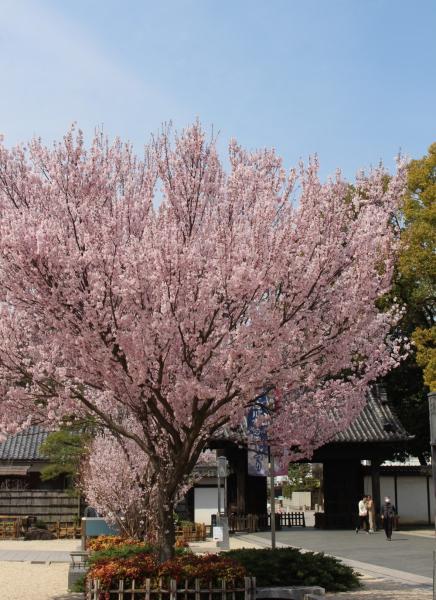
(388, 515)
(363, 516)
(371, 513)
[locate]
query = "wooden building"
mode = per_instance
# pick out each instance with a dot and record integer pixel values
(373, 437)
(22, 491)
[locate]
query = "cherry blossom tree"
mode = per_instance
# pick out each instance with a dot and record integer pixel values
(118, 481)
(180, 315)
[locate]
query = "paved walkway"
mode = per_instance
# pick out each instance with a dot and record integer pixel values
(38, 551)
(406, 552)
(397, 570)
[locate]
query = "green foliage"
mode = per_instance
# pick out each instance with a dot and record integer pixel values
(425, 341)
(290, 566)
(417, 263)
(301, 479)
(120, 552)
(65, 450)
(79, 585)
(414, 289)
(40, 524)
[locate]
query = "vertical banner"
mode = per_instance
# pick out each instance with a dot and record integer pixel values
(281, 463)
(257, 439)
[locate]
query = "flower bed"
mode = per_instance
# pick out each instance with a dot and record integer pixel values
(114, 561)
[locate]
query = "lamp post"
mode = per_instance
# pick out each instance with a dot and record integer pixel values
(222, 521)
(432, 413)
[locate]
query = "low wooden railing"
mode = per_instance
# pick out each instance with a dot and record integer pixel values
(250, 523)
(171, 590)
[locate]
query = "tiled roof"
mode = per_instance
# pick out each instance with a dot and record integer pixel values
(376, 423)
(24, 445)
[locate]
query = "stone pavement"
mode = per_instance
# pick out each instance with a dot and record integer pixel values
(38, 551)
(408, 576)
(406, 553)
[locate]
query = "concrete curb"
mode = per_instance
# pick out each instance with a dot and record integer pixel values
(291, 593)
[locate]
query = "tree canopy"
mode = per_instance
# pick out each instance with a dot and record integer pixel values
(414, 288)
(181, 315)
(417, 264)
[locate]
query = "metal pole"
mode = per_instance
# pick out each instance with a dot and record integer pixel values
(272, 501)
(432, 414)
(219, 500)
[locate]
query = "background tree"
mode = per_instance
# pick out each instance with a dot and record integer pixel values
(180, 316)
(300, 479)
(118, 480)
(66, 448)
(414, 288)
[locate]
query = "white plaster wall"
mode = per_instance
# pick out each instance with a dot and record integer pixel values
(299, 500)
(411, 496)
(206, 503)
(367, 485)
(412, 499)
(387, 488)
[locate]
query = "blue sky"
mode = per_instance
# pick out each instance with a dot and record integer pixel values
(353, 80)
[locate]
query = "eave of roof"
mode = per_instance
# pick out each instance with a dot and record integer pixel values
(24, 446)
(376, 423)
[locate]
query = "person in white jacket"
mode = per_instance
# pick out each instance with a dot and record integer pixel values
(363, 516)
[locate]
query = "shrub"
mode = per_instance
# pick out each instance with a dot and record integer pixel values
(40, 524)
(120, 552)
(138, 566)
(290, 566)
(104, 542)
(207, 567)
(79, 584)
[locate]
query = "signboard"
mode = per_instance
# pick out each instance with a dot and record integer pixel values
(217, 534)
(257, 440)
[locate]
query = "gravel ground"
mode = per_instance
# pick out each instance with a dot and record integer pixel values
(27, 581)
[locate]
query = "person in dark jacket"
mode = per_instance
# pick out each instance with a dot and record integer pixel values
(388, 517)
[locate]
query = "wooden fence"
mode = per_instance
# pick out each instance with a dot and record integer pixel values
(250, 523)
(48, 505)
(172, 591)
(196, 532)
(292, 519)
(13, 527)
(65, 529)
(10, 527)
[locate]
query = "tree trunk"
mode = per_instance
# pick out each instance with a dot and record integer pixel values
(166, 534)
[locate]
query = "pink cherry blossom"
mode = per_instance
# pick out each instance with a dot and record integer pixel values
(180, 315)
